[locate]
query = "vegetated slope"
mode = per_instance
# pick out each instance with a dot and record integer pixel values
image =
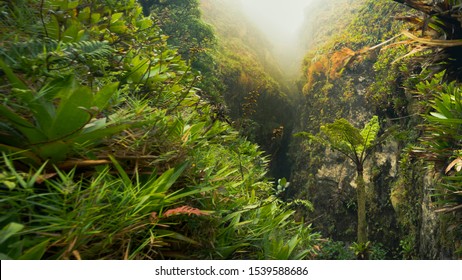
(255, 93)
(109, 151)
(324, 19)
(337, 77)
(346, 79)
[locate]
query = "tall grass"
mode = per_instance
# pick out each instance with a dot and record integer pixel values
(107, 216)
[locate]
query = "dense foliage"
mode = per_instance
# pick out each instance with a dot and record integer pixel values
(110, 152)
(195, 40)
(128, 131)
(239, 74)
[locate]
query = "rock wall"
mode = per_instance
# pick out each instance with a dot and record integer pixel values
(400, 208)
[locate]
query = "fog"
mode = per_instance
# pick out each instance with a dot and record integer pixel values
(280, 18)
(280, 21)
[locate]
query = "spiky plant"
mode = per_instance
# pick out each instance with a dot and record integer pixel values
(439, 30)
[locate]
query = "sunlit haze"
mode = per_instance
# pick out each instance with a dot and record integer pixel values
(281, 17)
(280, 21)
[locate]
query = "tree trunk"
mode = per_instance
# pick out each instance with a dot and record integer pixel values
(361, 193)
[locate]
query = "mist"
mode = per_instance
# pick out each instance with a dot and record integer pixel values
(281, 21)
(279, 18)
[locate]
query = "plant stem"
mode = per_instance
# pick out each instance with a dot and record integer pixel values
(361, 193)
(42, 19)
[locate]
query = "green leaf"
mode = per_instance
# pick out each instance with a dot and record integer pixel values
(292, 244)
(138, 66)
(226, 251)
(36, 175)
(25, 127)
(301, 255)
(118, 27)
(41, 109)
(438, 115)
(9, 230)
(445, 121)
(442, 107)
(177, 236)
(144, 23)
(71, 34)
(95, 125)
(71, 115)
(53, 28)
(36, 252)
(103, 97)
(16, 119)
(115, 17)
(30, 157)
(10, 185)
(54, 151)
(342, 136)
(72, 4)
(370, 132)
(14, 80)
(95, 17)
(94, 135)
(168, 178)
(180, 194)
(54, 87)
(125, 178)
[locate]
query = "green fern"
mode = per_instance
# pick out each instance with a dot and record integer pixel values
(302, 202)
(49, 52)
(30, 50)
(89, 49)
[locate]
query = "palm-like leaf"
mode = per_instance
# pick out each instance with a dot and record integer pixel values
(342, 136)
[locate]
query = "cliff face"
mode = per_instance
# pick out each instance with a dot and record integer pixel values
(343, 79)
(327, 179)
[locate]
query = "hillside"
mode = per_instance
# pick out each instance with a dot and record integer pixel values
(256, 93)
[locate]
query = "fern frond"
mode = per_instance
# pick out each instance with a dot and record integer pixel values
(89, 49)
(19, 55)
(302, 202)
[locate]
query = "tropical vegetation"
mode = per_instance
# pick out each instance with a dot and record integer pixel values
(167, 130)
(109, 151)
